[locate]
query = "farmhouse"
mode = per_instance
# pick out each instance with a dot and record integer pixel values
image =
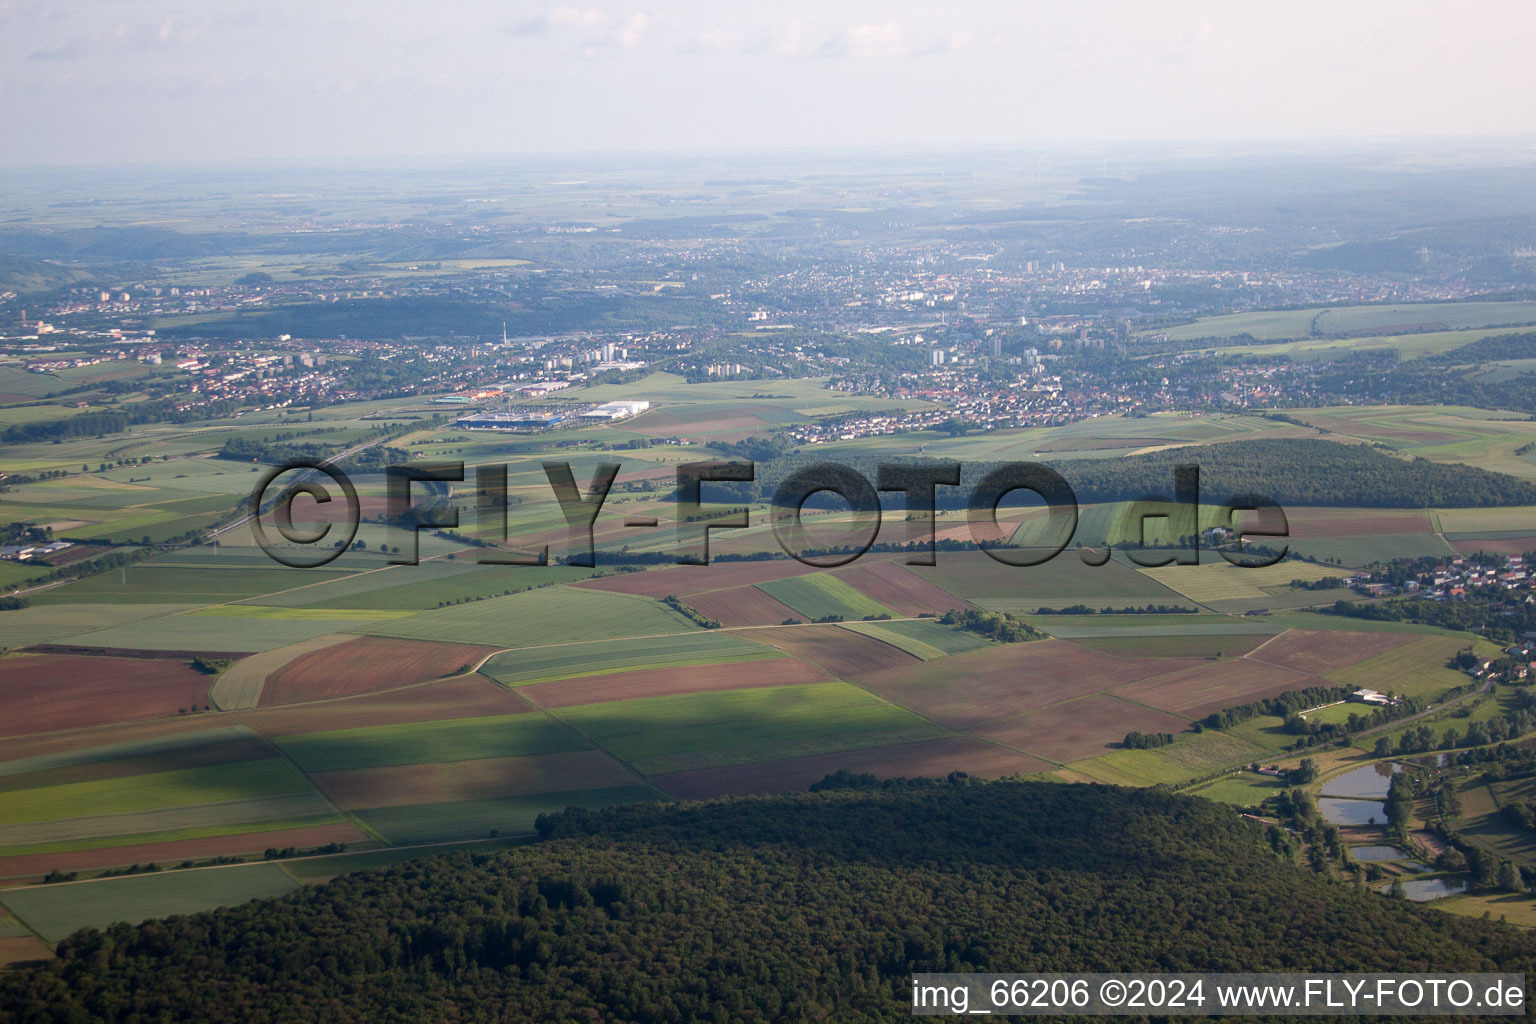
(1373, 697)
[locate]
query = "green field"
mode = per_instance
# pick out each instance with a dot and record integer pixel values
(244, 780)
(1242, 790)
(469, 819)
(1337, 714)
(1518, 910)
(1220, 581)
(1189, 756)
(1279, 325)
(174, 584)
(1382, 547)
(54, 622)
(569, 661)
(55, 911)
(819, 595)
(413, 592)
(224, 632)
(1062, 581)
(105, 842)
(554, 615)
(921, 638)
(701, 730)
(459, 739)
(1416, 669)
(257, 612)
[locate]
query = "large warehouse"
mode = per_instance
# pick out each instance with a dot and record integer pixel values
(615, 410)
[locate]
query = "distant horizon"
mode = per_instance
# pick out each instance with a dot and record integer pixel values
(1518, 147)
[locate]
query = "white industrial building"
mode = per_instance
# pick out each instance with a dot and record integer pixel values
(615, 410)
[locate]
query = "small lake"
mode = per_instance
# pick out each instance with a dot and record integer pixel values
(1352, 812)
(1369, 853)
(1369, 781)
(1422, 890)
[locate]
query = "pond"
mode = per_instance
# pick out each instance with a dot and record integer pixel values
(1422, 890)
(1370, 781)
(1352, 812)
(1369, 853)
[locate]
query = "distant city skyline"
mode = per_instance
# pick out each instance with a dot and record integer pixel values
(88, 81)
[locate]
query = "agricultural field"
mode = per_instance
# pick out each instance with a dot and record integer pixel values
(933, 758)
(841, 652)
(1301, 323)
(613, 686)
(921, 638)
(539, 618)
(62, 623)
(477, 779)
(821, 595)
(969, 689)
(365, 664)
(478, 819)
(1184, 645)
(1415, 669)
(55, 911)
(669, 734)
(417, 743)
(1221, 583)
(897, 587)
(1516, 909)
(1062, 581)
(1243, 789)
(99, 691)
(1076, 729)
(250, 780)
(572, 661)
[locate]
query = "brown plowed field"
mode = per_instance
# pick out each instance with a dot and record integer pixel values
(78, 739)
(662, 682)
(1079, 728)
(841, 652)
(743, 606)
(22, 949)
(484, 779)
(898, 588)
(978, 686)
(46, 692)
(1355, 522)
(469, 697)
(1318, 652)
(927, 758)
(1213, 685)
(230, 752)
(177, 850)
(364, 665)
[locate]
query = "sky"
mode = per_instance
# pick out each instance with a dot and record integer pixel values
(104, 81)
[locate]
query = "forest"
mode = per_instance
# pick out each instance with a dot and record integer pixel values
(798, 908)
(1290, 471)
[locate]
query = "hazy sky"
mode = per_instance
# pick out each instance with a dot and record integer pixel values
(104, 80)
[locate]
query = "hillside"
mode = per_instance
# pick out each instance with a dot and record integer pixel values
(811, 907)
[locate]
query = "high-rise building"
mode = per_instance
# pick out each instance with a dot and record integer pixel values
(936, 357)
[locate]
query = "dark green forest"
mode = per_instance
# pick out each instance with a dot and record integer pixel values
(786, 909)
(1291, 471)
